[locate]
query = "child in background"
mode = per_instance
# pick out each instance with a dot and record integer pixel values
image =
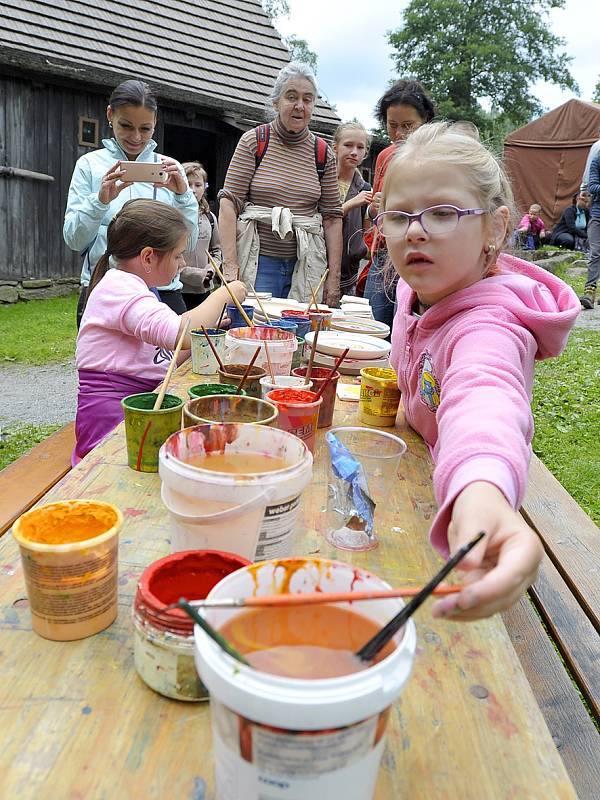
(531, 230)
(127, 335)
(351, 145)
(470, 323)
(197, 275)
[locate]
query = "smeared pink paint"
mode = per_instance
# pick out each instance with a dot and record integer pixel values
(433, 675)
(134, 512)
(456, 638)
(473, 653)
(356, 577)
(101, 489)
(498, 717)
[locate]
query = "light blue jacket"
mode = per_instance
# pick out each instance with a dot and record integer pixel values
(87, 219)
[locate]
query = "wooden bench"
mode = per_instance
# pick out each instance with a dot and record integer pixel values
(558, 626)
(28, 478)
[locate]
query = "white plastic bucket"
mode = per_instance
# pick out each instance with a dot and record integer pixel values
(282, 382)
(254, 514)
(241, 344)
(256, 717)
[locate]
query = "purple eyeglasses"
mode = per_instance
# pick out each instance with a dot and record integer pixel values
(435, 219)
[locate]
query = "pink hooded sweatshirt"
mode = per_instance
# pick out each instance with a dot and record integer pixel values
(465, 370)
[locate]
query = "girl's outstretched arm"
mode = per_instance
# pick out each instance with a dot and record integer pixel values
(501, 568)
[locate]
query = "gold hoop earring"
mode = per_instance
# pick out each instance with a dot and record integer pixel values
(490, 249)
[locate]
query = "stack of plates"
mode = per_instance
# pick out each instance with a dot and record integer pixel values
(365, 351)
(275, 305)
(356, 307)
(364, 325)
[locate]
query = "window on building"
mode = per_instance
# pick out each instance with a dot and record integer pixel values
(88, 132)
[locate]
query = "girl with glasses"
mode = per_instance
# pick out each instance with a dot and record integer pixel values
(469, 325)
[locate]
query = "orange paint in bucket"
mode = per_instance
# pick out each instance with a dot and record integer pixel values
(298, 413)
(69, 555)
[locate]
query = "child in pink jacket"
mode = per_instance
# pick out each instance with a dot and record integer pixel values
(127, 335)
(469, 325)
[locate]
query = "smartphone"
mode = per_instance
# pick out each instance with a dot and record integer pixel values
(144, 171)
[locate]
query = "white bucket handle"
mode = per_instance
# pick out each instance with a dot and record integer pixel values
(209, 519)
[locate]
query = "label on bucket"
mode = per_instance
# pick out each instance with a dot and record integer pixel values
(260, 762)
(276, 530)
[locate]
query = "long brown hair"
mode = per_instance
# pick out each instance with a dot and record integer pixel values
(140, 223)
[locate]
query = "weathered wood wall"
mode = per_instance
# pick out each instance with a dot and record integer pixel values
(39, 123)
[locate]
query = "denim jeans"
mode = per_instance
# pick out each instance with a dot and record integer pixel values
(380, 289)
(275, 275)
(594, 257)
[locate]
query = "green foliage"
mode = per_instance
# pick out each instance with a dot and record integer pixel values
(16, 440)
(38, 332)
(300, 51)
(276, 8)
(596, 96)
(475, 54)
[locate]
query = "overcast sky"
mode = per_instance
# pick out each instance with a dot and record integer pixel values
(354, 57)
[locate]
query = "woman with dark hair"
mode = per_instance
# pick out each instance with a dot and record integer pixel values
(97, 191)
(570, 231)
(402, 109)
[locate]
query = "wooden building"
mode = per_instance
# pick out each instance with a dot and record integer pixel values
(211, 64)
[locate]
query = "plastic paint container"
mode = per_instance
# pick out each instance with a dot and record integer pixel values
(301, 319)
(282, 324)
(69, 556)
(283, 382)
(241, 345)
(318, 377)
(298, 413)
(203, 359)
(146, 430)
(204, 389)
(251, 514)
(379, 397)
(298, 357)
(163, 642)
(315, 738)
(233, 374)
(324, 317)
(228, 408)
(237, 321)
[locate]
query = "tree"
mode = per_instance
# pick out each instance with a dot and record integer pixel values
(276, 8)
(478, 54)
(596, 97)
(299, 49)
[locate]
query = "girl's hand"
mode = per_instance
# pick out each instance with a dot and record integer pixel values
(505, 563)
(362, 199)
(176, 182)
(239, 290)
(375, 204)
(109, 188)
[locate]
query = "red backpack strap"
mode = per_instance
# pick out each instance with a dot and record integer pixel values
(320, 156)
(263, 133)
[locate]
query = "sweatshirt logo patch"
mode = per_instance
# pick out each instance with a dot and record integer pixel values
(429, 387)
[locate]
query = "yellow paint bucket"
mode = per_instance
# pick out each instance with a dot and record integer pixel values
(379, 397)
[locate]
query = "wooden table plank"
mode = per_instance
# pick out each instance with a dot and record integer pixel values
(84, 725)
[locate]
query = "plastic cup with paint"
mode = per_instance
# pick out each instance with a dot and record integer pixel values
(233, 373)
(204, 389)
(241, 345)
(237, 320)
(163, 641)
(203, 358)
(146, 429)
(234, 487)
(283, 382)
(69, 555)
(350, 526)
(298, 413)
(322, 317)
(228, 408)
(379, 397)
(331, 729)
(301, 319)
(318, 377)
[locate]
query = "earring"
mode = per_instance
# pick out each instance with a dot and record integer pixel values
(490, 249)
(147, 270)
(110, 124)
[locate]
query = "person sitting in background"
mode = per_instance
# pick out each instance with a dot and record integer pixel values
(197, 275)
(570, 231)
(531, 230)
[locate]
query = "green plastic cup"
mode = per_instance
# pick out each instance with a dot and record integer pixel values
(204, 389)
(297, 356)
(146, 430)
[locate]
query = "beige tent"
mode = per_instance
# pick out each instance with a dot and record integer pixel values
(546, 158)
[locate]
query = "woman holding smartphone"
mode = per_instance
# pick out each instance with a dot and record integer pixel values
(99, 189)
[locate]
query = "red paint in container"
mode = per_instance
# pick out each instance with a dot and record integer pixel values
(163, 640)
(298, 413)
(318, 376)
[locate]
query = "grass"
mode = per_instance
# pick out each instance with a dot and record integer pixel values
(18, 439)
(39, 331)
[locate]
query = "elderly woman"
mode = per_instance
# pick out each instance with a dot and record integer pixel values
(98, 191)
(280, 217)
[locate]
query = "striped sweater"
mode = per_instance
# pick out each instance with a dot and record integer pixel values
(287, 176)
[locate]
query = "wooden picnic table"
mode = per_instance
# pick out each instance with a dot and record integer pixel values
(79, 723)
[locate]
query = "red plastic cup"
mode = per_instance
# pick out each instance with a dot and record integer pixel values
(298, 413)
(318, 377)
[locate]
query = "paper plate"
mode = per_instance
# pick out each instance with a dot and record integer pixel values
(333, 343)
(369, 327)
(350, 366)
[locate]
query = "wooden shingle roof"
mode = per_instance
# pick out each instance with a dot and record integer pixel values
(222, 55)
